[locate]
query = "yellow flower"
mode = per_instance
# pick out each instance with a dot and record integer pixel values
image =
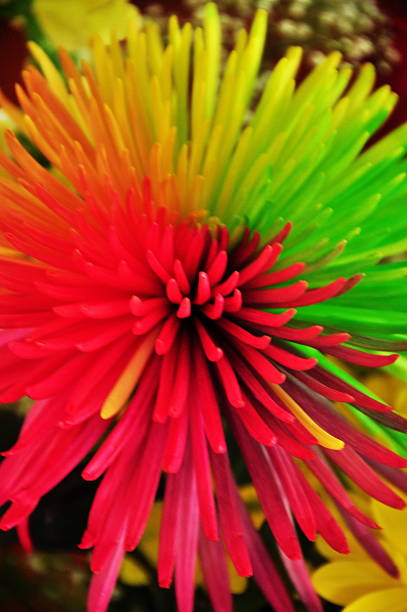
(70, 24)
(356, 581)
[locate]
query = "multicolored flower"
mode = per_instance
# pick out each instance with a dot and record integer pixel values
(186, 272)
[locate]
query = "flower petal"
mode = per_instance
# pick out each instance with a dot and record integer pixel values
(344, 581)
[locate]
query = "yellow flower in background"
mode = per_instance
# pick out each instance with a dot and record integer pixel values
(70, 24)
(134, 573)
(356, 581)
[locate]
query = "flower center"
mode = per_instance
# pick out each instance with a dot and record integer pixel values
(205, 286)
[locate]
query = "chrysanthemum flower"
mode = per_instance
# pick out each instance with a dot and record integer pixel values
(186, 272)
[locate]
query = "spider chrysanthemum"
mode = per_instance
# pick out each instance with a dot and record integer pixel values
(187, 266)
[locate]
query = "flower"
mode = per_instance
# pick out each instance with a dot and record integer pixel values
(357, 582)
(59, 21)
(150, 304)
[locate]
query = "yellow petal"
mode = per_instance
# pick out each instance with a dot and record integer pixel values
(400, 561)
(388, 600)
(393, 523)
(51, 73)
(357, 552)
(324, 438)
(129, 378)
(344, 581)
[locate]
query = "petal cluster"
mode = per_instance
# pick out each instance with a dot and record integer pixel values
(177, 330)
(178, 282)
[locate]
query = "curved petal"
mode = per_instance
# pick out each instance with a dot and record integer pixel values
(393, 523)
(344, 581)
(378, 601)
